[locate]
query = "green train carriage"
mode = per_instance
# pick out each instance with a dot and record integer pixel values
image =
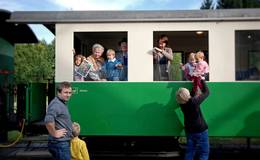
(141, 107)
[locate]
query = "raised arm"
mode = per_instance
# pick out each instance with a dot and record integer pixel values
(205, 93)
(168, 53)
(205, 89)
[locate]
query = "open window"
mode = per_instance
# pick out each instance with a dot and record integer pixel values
(182, 43)
(83, 43)
(247, 43)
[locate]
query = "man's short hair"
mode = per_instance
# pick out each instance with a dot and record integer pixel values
(122, 41)
(182, 95)
(63, 85)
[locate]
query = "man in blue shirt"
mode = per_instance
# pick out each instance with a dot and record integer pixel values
(122, 56)
(58, 123)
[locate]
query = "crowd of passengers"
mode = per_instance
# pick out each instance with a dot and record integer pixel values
(114, 68)
(95, 68)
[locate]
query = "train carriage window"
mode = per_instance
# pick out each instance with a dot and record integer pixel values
(247, 43)
(92, 65)
(178, 46)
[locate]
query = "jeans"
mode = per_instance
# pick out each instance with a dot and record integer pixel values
(197, 144)
(59, 150)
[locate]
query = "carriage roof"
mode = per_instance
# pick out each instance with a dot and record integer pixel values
(134, 16)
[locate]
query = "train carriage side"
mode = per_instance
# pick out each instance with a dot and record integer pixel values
(144, 107)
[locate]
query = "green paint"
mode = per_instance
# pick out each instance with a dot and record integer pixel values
(35, 102)
(6, 58)
(7, 71)
(149, 108)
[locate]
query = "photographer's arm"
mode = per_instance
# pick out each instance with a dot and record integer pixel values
(168, 53)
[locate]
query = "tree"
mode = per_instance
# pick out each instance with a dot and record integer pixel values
(222, 4)
(251, 4)
(207, 4)
(175, 71)
(34, 62)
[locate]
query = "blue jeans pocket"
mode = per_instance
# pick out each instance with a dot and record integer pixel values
(59, 150)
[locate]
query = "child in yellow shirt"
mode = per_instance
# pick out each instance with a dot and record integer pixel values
(78, 147)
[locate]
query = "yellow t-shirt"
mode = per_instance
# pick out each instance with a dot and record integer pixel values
(78, 149)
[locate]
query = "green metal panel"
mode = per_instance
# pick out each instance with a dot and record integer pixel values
(149, 108)
(6, 71)
(6, 61)
(233, 109)
(35, 102)
(27, 105)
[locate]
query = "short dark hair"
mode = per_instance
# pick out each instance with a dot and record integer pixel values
(164, 38)
(123, 40)
(63, 85)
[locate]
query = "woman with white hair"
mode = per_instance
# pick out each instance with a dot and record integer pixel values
(96, 61)
(196, 127)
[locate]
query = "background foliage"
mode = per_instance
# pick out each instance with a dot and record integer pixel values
(224, 4)
(34, 62)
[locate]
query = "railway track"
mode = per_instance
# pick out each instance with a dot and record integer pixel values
(32, 148)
